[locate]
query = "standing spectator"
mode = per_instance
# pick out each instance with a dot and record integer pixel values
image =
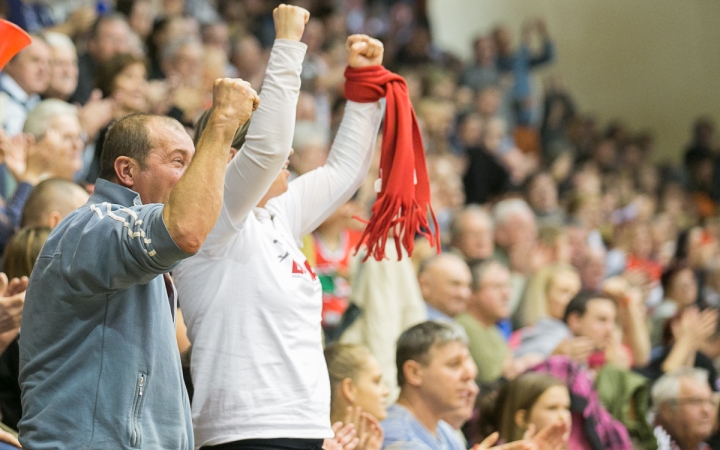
(98, 299)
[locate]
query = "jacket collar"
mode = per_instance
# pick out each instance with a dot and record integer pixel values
(107, 191)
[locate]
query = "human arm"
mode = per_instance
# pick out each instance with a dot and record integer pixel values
(692, 328)
(548, 47)
(312, 197)
(269, 137)
(196, 199)
(631, 315)
(344, 439)
(12, 299)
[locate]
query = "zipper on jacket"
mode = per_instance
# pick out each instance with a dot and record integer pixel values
(137, 404)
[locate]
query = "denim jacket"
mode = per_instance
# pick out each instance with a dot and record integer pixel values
(99, 364)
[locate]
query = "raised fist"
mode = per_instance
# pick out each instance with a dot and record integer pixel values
(290, 21)
(364, 51)
(233, 101)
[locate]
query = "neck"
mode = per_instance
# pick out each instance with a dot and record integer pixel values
(480, 317)
(420, 409)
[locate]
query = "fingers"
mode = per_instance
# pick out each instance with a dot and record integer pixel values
(488, 442)
(17, 286)
(3, 283)
(9, 438)
(290, 21)
(346, 434)
(530, 432)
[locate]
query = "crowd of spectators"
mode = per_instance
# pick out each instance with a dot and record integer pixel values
(575, 301)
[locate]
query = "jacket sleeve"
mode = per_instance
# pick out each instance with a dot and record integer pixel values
(269, 138)
(117, 248)
(312, 197)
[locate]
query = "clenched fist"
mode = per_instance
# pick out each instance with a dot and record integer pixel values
(364, 51)
(233, 101)
(290, 22)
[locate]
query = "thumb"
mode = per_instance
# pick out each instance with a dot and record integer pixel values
(529, 433)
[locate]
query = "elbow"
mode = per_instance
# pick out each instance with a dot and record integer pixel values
(188, 239)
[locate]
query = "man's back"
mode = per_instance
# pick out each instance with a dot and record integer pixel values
(99, 366)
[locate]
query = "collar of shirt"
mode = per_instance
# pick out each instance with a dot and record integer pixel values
(107, 191)
(18, 94)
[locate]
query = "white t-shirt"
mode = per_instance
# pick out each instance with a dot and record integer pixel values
(250, 300)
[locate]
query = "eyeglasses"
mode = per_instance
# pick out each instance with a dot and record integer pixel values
(713, 401)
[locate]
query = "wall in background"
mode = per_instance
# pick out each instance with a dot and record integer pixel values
(654, 64)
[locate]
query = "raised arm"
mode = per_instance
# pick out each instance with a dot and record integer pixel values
(312, 197)
(196, 199)
(269, 137)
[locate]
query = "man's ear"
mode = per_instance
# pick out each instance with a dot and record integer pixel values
(413, 371)
(573, 322)
(54, 219)
(124, 170)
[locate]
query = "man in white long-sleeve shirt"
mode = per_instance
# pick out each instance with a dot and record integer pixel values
(251, 301)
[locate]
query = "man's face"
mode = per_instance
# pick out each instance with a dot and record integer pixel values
(171, 155)
(64, 72)
(187, 63)
(111, 40)
(68, 156)
(521, 230)
(446, 285)
(493, 296)
(31, 68)
(598, 322)
(691, 418)
(476, 237)
(543, 196)
(448, 378)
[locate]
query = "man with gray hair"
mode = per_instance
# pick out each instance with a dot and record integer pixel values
(685, 409)
(444, 281)
(471, 232)
(64, 66)
(436, 377)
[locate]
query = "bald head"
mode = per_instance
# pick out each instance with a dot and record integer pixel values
(472, 233)
(51, 201)
(445, 283)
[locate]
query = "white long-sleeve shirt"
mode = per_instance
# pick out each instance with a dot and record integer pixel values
(250, 300)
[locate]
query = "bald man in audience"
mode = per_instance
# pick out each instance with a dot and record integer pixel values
(50, 201)
(445, 286)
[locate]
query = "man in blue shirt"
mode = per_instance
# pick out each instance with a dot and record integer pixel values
(436, 377)
(99, 365)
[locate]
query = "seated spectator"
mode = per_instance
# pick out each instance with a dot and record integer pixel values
(685, 410)
(444, 281)
(58, 122)
(435, 375)
(553, 246)
(64, 66)
(329, 250)
(488, 305)
(680, 289)
(541, 192)
(472, 234)
(355, 382)
(109, 36)
(23, 79)
(482, 72)
(683, 338)
(18, 261)
(587, 334)
(533, 400)
(548, 294)
(51, 201)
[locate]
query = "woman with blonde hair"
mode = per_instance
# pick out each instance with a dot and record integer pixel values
(548, 293)
(357, 392)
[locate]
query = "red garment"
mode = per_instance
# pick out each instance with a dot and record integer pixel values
(650, 268)
(403, 201)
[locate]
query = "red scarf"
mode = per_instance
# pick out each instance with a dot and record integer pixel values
(403, 201)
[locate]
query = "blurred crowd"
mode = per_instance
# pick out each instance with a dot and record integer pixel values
(582, 277)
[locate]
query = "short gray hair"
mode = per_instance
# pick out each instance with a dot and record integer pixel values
(170, 51)
(39, 118)
(480, 269)
(415, 343)
(57, 40)
(476, 210)
(505, 209)
(667, 388)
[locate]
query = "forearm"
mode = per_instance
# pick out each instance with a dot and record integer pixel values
(15, 207)
(196, 199)
(637, 336)
(682, 354)
(269, 137)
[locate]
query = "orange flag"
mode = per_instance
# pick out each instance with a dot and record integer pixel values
(12, 40)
